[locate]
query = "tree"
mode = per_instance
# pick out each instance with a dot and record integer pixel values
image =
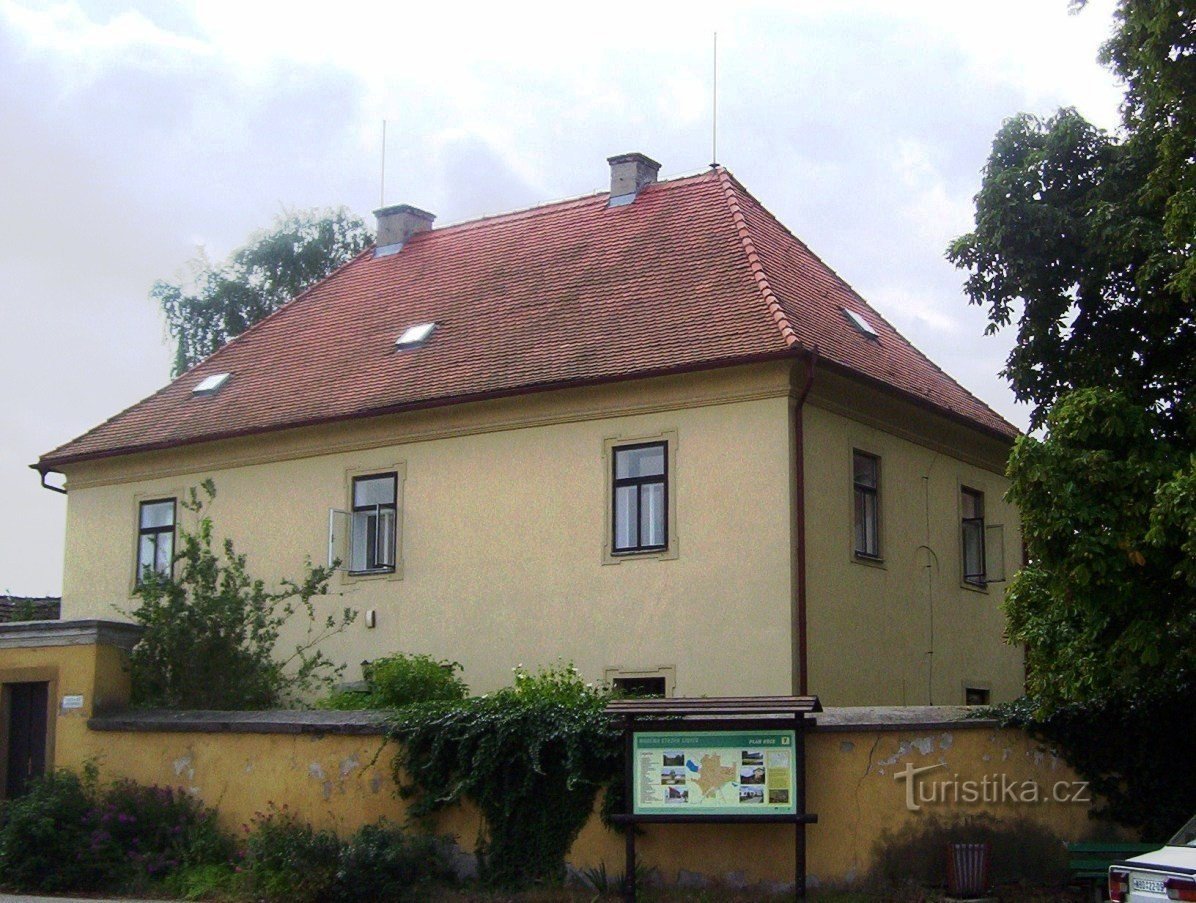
(1089, 240)
(221, 301)
(211, 632)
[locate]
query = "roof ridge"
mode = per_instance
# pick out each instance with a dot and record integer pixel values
(856, 296)
(788, 334)
(558, 203)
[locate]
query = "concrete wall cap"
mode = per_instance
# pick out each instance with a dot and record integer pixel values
(902, 718)
(271, 721)
(88, 632)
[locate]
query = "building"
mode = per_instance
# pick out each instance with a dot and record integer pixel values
(647, 431)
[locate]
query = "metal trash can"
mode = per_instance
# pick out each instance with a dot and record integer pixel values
(967, 869)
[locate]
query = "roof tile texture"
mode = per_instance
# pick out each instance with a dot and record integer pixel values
(695, 272)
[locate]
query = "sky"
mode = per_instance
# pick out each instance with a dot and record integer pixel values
(134, 134)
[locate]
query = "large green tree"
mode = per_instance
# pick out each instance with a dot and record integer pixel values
(220, 301)
(1085, 243)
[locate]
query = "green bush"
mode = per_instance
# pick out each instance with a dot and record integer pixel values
(531, 757)
(44, 835)
(399, 680)
(382, 862)
(141, 834)
(68, 833)
(212, 630)
(287, 859)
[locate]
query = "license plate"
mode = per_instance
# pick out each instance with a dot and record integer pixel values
(1148, 885)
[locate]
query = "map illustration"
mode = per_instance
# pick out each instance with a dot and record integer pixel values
(714, 773)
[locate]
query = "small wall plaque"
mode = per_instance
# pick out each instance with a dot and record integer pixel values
(72, 702)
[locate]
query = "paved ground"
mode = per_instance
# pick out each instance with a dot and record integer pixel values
(24, 898)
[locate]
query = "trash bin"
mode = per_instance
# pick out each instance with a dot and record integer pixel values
(967, 869)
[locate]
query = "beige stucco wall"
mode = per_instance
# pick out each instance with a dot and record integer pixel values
(906, 630)
(503, 528)
(504, 522)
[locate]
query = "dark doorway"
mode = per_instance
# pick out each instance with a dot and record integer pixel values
(27, 708)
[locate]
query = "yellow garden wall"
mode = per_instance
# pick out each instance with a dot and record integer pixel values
(322, 766)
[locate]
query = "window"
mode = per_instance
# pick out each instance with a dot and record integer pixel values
(640, 501)
(640, 686)
(976, 695)
(866, 479)
(372, 524)
(155, 537)
(972, 513)
(658, 681)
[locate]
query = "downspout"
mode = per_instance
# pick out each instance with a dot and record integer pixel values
(799, 477)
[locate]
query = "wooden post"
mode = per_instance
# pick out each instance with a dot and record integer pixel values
(799, 775)
(629, 888)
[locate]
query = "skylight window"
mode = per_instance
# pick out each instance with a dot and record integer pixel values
(861, 324)
(210, 385)
(414, 336)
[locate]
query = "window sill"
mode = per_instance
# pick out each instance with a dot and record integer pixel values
(974, 587)
(661, 554)
(395, 573)
(869, 560)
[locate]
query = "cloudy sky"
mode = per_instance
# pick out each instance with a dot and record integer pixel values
(133, 133)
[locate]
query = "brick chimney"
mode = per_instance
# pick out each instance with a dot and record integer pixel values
(628, 174)
(397, 224)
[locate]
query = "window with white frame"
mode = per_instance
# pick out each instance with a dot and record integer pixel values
(363, 539)
(155, 537)
(640, 498)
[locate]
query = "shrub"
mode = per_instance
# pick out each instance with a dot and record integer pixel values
(287, 859)
(70, 834)
(141, 833)
(211, 630)
(382, 862)
(44, 835)
(531, 757)
(399, 680)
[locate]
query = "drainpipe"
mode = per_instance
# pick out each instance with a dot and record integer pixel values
(800, 527)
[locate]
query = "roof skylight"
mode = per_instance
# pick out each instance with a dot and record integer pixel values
(210, 385)
(861, 324)
(414, 336)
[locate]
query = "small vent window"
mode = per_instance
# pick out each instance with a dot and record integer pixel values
(210, 385)
(415, 336)
(861, 324)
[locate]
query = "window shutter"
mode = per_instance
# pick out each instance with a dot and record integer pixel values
(338, 539)
(994, 553)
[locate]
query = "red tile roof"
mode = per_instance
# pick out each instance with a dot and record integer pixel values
(695, 273)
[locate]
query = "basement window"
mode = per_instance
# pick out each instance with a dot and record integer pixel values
(861, 324)
(415, 336)
(210, 385)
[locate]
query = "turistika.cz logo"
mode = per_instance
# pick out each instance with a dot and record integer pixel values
(992, 788)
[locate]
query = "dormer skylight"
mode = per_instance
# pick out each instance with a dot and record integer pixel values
(210, 385)
(858, 321)
(414, 336)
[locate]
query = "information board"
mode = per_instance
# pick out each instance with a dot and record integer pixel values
(714, 773)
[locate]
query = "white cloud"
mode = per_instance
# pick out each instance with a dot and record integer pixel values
(133, 130)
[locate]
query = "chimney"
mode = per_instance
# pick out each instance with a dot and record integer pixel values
(628, 174)
(397, 224)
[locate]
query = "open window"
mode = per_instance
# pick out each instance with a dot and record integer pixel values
(364, 539)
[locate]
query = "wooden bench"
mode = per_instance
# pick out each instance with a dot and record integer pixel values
(1089, 862)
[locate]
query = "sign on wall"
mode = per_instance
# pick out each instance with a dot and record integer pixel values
(714, 773)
